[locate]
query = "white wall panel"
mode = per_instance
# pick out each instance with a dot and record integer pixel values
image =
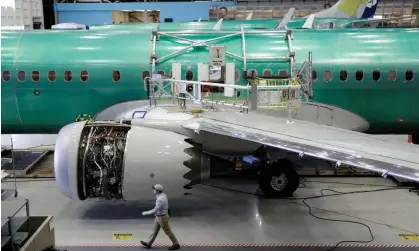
(21, 14)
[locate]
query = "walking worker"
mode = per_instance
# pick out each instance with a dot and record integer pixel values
(162, 219)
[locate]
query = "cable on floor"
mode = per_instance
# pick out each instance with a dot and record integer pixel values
(346, 183)
(229, 189)
(336, 193)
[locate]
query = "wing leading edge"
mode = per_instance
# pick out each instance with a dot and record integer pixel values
(329, 143)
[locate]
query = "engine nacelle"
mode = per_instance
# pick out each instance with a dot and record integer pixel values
(116, 161)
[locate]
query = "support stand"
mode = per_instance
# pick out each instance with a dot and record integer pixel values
(14, 166)
(7, 192)
(415, 189)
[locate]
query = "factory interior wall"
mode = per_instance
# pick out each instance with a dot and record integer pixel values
(98, 14)
(85, 17)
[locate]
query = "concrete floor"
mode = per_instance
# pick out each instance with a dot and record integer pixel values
(217, 216)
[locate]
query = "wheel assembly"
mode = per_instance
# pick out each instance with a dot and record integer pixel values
(278, 179)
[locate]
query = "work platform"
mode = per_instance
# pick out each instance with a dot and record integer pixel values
(225, 214)
(25, 161)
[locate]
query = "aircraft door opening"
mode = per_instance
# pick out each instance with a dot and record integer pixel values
(230, 79)
(203, 76)
(177, 74)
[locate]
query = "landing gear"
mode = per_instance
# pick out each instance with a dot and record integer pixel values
(278, 179)
(415, 139)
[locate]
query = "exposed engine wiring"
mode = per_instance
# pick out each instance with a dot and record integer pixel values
(100, 169)
(102, 173)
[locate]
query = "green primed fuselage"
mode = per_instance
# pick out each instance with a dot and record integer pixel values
(44, 106)
(295, 23)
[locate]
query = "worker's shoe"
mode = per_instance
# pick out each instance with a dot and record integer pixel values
(174, 247)
(145, 244)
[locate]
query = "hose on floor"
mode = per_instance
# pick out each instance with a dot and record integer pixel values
(336, 193)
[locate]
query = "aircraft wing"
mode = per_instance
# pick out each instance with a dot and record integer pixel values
(334, 144)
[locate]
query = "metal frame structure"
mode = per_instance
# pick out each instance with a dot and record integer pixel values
(14, 224)
(194, 43)
(12, 160)
(180, 84)
(301, 82)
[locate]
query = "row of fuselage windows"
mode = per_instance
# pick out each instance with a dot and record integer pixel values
(35, 76)
(359, 75)
(116, 75)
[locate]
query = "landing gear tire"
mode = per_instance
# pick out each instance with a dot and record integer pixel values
(415, 139)
(278, 180)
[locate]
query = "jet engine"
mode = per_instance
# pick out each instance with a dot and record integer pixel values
(116, 161)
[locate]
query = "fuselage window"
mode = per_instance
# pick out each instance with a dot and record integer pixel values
(376, 75)
(392, 75)
(189, 75)
(6, 76)
(409, 75)
(327, 75)
(116, 76)
(236, 76)
(283, 74)
(35, 76)
(68, 76)
(267, 73)
(343, 75)
(252, 73)
(359, 75)
(52, 76)
(314, 75)
(160, 72)
(21, 76)
(84, 76)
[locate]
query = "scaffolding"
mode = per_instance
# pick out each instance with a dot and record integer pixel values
(5, 161)
(156, 34)
(260, 93)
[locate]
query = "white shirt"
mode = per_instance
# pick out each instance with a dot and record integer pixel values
(162, 205)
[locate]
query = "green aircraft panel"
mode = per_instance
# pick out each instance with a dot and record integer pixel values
(78, 72)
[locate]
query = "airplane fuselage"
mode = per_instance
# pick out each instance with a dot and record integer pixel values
(85, 72)
(295, 23)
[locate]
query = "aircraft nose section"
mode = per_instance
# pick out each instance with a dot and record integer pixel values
(66, 158)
